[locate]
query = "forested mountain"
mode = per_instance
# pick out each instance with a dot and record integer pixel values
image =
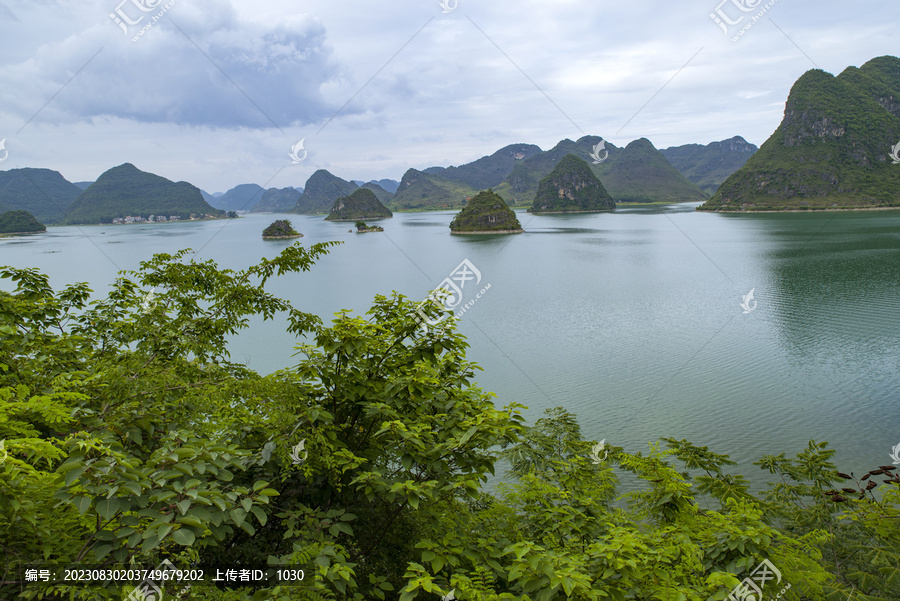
(127, 191)
(833, 148)
(44, 193)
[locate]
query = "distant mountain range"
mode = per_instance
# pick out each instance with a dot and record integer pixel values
(240, 198)
(636, 173)
(837, 146)
(277, 201)
(708, 166)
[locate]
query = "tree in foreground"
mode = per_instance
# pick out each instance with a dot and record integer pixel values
(130, 438)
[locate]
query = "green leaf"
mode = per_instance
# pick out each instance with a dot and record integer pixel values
(191, 520)
(109, 507)
(248, 528)
(183, 537)
(83, 504)
(101, 551)
(73, 475)
(260, 515)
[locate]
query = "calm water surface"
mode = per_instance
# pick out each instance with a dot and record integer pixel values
(631, 319)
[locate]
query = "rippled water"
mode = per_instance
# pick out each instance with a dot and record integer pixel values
(631, 319)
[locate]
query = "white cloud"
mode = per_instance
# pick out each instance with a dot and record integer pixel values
(414, 96)
(194, 67)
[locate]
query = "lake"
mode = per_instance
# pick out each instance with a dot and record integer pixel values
(632, 319)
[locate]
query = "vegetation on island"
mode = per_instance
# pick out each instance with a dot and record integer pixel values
(127, 191)
(362, 228)
(486, 213)
(571, 188)
(20, 222)
(280, 229)
(833, 147)
(130, 437)
(361, 204)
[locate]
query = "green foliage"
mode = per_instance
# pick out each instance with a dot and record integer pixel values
(128, 437)
(19, 222)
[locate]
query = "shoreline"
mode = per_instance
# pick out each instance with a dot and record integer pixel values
(143, 222)
(830, 210)
(483, 232)
(10, 234)
(567, 212)
(354, 220)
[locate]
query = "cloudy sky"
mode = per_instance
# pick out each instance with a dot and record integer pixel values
(217, 92)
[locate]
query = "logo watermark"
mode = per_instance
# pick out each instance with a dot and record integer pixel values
(4, 153)
(296, 149)
(147, 302)
(596, 450)
(750, 589)
(4, 454)
(148, 590)
(895, 454)
(749, 304)
(451, 596)
(895, 153)
(723, 19)
(299, 448)
(464, 272)
(124, 20)
(448, 6)
(598, 148)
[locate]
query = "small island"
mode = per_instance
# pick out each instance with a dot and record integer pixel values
(362, 228)
(280, 229)
(13, 223)
(486, 213)
(571, 188)
(362, 204)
